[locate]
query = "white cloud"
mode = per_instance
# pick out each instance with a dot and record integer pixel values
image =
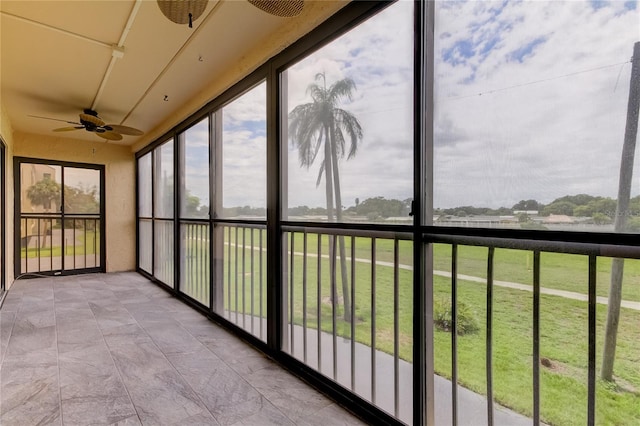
(549, 125)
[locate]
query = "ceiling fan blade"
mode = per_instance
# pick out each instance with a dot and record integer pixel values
(124, 130)
(282, 8)
(68, 129)
(110, 136)
(54, 119)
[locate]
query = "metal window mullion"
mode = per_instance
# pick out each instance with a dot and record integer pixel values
(261, 286)
(228, 271)
(95, 241)
(319, 302)
(26, 248)
(84, 227)
(202, 282)
(591, 396)
(73, 221)
(244, 275)
(253, 248)
(197, 263)
(536, 337)
(489, 336)
(373, 320)
(176, 211)
(396, 329)
(291, 285)
(454, 334)
(153, 212)
(216, 268)
(423, 333)
(235, 270)
(62, 225)
(304, 297)
(276, 96)
(353, 313)
(51, 243)
(39, 262)
(334, 304)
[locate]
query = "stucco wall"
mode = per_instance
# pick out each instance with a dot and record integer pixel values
(119, 195)
(6, 132)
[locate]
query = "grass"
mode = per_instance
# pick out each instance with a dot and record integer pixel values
(89, 237)
(564, 341)
(564, 345)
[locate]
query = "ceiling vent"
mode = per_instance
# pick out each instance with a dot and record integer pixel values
(182, 11)
(282, 8)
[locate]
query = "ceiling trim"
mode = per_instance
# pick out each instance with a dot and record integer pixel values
(56, 29)
(117, 53)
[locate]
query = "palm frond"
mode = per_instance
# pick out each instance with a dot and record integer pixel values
(341, 89)
(349, 123)
(304, 132)
(320, 174)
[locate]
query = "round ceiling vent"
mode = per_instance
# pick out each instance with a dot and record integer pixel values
(283, 8)
(182, 11)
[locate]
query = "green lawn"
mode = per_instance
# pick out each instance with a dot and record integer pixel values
(90, 238)
(563, 321)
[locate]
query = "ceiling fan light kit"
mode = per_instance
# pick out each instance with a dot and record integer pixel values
(182, 11)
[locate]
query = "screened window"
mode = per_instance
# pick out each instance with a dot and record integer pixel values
(194, 172)
(244, 155)
(350, 128)
(530, 110)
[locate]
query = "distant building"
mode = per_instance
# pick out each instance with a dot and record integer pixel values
(558, 218)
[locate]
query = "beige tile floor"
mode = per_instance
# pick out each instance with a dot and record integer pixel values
(116, 349)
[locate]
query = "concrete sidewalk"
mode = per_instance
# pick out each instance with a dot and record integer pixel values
(472, 407)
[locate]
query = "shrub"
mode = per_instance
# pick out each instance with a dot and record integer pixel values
(466, 320)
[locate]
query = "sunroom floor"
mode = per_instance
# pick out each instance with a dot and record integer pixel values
(117, 349)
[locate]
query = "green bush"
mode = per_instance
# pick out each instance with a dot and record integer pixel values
(466, 320)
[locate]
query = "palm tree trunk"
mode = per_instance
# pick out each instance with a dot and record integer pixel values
(343, 258)
(329, 194)
(622, 210)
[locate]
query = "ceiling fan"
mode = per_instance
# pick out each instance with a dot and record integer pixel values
(90, 122)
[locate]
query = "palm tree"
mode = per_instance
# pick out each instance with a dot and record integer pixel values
(321, 124)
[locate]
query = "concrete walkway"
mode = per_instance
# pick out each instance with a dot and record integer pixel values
(543, 290)
(380, 382)
(517, 286)
(378, 385)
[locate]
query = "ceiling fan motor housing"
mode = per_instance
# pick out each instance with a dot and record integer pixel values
(92, 123)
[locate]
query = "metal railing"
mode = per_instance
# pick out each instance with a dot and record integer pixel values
(48, 243)
(344, 292)
(163, 251)
(145, 245)
(195, 264)
(535, 300)
(242, 250)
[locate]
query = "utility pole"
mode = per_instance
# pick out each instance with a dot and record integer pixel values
(622, 212)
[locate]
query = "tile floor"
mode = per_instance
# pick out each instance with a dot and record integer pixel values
(116, 349)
